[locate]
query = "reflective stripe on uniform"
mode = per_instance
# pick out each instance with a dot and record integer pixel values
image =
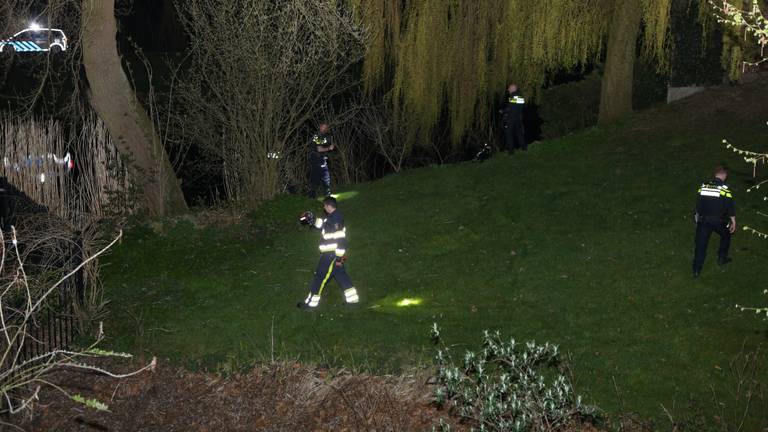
(709, 192)
(330, 247)
(327, 276)
(715, 191)
(335, 235)
(312, 300)
(350, 294)
(517, 100)
(319, 223)
(340, 252)
(708, 189)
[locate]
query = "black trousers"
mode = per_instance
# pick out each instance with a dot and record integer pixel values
(514, 136)
(327, 269)
(704, 230)
(319, 176)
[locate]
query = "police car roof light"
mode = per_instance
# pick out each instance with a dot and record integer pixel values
(34, 26)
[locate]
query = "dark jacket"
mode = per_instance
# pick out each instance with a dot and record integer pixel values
(334, 234)
(715, 201)
(512, 108)
(319, 140)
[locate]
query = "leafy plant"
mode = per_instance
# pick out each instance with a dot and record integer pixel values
(507, 386)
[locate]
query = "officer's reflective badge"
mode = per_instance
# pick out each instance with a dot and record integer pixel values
(319, 141)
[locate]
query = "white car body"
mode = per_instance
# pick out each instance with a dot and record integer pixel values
(35, 39)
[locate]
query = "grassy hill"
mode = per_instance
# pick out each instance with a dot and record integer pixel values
(585, 242)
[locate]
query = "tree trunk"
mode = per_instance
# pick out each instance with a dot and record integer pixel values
(115, 102)
(616, 93)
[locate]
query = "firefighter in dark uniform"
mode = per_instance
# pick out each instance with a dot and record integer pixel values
(320, 145)
(333, 249)
(715, 212)
(512, 120)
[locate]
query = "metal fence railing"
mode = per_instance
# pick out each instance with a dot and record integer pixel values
(53, 326)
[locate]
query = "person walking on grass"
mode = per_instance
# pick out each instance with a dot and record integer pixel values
(333, 249)
(715, 212)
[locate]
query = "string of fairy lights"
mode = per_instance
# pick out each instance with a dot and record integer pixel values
(753, 158)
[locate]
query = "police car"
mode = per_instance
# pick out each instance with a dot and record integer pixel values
(35, 39)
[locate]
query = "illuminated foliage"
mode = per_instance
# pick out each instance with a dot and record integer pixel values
(752, 22)
(244, 102)
(507, 386)
(741, 18)
(438, 57)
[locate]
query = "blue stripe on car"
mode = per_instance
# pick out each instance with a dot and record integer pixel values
(23, 46)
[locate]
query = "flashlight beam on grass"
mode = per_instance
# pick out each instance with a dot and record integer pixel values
(409, 302)
(343, 196)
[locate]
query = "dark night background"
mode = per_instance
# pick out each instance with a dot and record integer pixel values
(569, 100)
(584, 241)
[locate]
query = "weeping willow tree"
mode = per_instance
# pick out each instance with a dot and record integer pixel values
(431, 58)
(741, 18)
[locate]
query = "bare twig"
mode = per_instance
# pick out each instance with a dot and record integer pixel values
(244, 103)
(16, 374)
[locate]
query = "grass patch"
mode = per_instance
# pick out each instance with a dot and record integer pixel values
(585, 242)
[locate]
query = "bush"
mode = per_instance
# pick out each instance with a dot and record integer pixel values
(696, 54)
(569, 107)
(649, 86)
(508, 386)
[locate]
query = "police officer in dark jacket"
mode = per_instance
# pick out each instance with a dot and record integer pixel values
(320, 146)
(715, 212)
(333, 249)
(512, 120)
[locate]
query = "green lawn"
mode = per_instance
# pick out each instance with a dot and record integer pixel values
(585, 242)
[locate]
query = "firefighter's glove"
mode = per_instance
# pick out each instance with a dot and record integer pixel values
(307, 218)
(341, 260)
